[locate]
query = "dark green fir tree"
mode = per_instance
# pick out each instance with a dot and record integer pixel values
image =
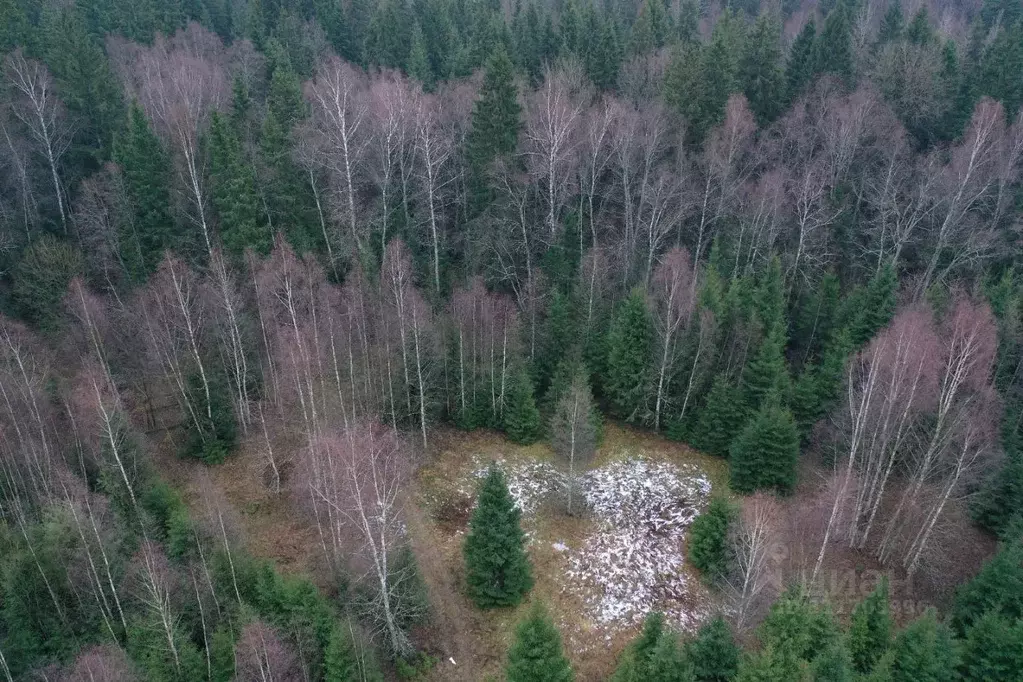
(522, 421)
(628, 360)
(709, 546)
(870, 630)
(235, 198)
(760, 69)
(495, 123)
(497, 569)
(802, 64)
(146, 169)
(765, 455)
(536, 655)
(713, 653)
(720, 419)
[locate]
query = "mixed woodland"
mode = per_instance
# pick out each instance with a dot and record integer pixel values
(786, 234)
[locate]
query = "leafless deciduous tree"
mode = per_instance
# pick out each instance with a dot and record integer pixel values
(173, 310)
(262, 656)
(357, 477)
(436, 171)
(553, 115)
(102, 663)
(673, 296)
(967, 182)
(156, 586)
(723, 169)
(41, 112)
(921, 409)
(394, 106)
(486, 334)
(340, 111)
(407, 315)
(754, 539)
(574, 433)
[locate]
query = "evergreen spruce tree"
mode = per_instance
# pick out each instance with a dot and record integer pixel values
(634, 664)
(870, 630)
(709, 546)
(924, 651)
(833, 664)
(668, 662)
(522, 421)
(628, 361)
(536, 654)
(146, 169)
(495, 122)
(683, 80)
(15, 28)
(760, 70)
(222, 644)
(604, 60)
(819, 387)
(766, 453)
(86, 85)
(215, 435)
(767, 373)
(998, 588)
(284, 98)
(892, 24)
(720, 419)
(418, 65)
(834, 53)
(1000, 502)
(558, 335)
(1002, 59)
(919, 31)
(802, 64)
(235, 198)
(719, 72)
(993, 650)
(872, 308)
(644, 36)
(713, 653)
(345, 660)
(497, 569)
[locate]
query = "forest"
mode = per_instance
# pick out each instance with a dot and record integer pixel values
(360, 340)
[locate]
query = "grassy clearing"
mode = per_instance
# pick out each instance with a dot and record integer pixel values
(444, 499)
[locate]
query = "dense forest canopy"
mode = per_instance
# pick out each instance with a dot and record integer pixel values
(786, 234)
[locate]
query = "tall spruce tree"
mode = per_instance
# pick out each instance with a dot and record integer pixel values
(496, 566)
(235, 198)
(765, 455)
(146, 169)
(522, 421)
(870, 630)
(802, 64)
(993, 650)
(892, 24)
(536, 655)
(346, 660)
(496, 119)
(834, 50)
(760, 69)
(924, 651)
(709, 546)
(720, 419)
(767, 373)
(713, 653)
(87, 87)
(628, 360)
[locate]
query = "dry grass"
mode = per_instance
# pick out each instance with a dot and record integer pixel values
(476, 640)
